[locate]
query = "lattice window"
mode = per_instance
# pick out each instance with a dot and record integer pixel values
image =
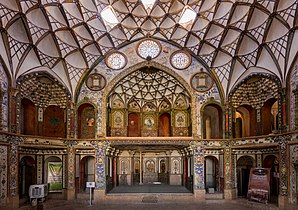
(90, 58)
(96, 32)
(180, 59)
(149, 48)
(116, 60)
(74, 73)
(231, 48)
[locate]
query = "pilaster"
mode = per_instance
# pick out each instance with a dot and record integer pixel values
(199, 179)
(100, 174)
(283, 173)
(70, 192)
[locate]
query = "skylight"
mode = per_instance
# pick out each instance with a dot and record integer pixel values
(187, 18)
(148, 4)
(109, 16)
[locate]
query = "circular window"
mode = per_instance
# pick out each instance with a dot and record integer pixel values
(95, 82)
(149, 49)
(180, 60)
(116, 60)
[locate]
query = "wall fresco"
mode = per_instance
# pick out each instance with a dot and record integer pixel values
(4, 108)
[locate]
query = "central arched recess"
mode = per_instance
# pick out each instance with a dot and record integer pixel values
(149, 102)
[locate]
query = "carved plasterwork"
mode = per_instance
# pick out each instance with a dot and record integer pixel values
(181, 119)
(3, 174)
(118, 119)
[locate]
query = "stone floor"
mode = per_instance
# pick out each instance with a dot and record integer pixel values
(239, 204)
(150, 188)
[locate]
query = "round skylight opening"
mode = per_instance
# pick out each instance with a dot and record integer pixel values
(149, 49)
(180, 60)
(116, 60)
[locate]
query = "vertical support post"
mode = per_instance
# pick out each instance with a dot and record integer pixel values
(13, 171)
(283, 172)
(71, 116)
(39, 161)
(199, 174)
(141, 169)
(259, 160)
(115, 171)
(100, 174)
(70, 194)
(229, 162)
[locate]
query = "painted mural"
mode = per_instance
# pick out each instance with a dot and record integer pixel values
(293, 86)
(4, 108)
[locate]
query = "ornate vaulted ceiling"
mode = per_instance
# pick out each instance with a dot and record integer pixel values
(234, 38)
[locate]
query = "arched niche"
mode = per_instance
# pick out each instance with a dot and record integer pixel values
(87, 172)
(269, 116)
(271, 161)
(149, 102)
(212, 179)
(54, 122)
(245, 121)
(212, 121)
(112, 91)
(53, 173)
(28, 117)
(27, 175)
(164, 125)
(244, 164)
(86, 121)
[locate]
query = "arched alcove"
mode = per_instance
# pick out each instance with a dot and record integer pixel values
(212, 121)
(28, 117)
(86, 121)
(54, 122)
(27, 175)
(244, 164)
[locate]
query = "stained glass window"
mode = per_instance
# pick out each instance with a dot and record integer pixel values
(149, 49)
(180, 59)
(116, 60)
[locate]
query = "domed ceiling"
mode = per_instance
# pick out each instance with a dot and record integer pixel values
(233, 38)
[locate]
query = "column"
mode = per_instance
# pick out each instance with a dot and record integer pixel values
(258, 122)
(100, 174)
(39, 163)
(13, 196)
(141, 168)
(296, 107)
(283, 172)
(229, 175)
(114, 171)
(71, 118)
(14, 114)
(199, 183)
(259, 159)
(71, 161)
